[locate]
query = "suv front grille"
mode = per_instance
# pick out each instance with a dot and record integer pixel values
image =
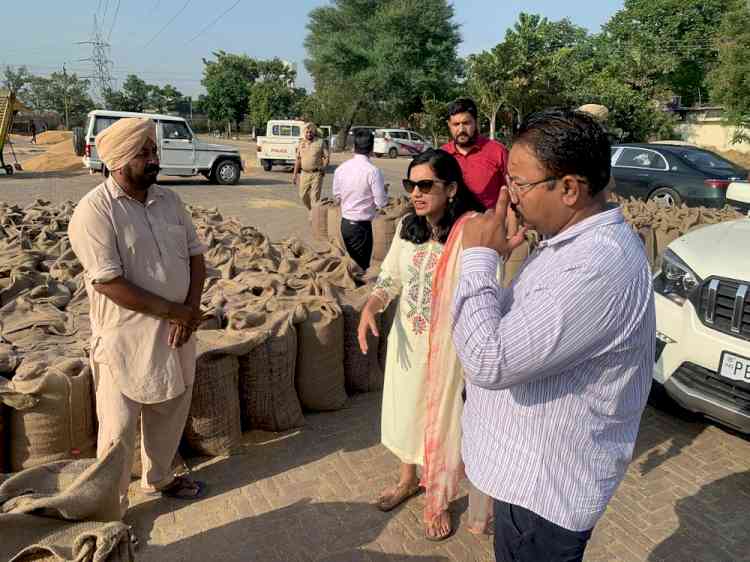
(724, 305)
(710, 384)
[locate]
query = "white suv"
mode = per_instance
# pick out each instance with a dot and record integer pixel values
(180, 152)
(399, 142)
(703, 322)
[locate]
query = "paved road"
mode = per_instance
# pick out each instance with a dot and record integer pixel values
(266, 200)
(305, 496)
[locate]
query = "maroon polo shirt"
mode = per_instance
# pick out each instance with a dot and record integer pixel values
(483, 167)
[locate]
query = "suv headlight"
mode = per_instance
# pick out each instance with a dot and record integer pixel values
(675, 280)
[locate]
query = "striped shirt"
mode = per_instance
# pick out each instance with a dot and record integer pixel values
(558, 369)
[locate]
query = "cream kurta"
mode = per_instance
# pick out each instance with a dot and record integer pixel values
(406, 274)
(149, 245)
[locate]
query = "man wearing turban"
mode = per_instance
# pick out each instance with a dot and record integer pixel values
(144, 273)
(312, 160)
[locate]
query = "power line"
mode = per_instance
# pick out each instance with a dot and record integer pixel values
(114, 19)
(167, 24)
(232, 7)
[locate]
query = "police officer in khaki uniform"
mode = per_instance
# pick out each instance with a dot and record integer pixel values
(312, 159)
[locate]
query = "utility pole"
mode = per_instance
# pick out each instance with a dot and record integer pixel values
(102, 71)
(65, 97)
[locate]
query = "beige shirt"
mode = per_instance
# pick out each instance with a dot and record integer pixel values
(149, 245)
(312, 154)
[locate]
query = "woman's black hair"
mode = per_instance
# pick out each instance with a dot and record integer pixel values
(416, 229)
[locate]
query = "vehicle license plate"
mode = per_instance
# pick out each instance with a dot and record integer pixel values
(735, 367)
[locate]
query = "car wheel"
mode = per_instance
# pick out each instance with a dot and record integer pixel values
(393, 153)
(105, 171)
(227, 172)
(267, 165)
(666, 197)
(9, 170)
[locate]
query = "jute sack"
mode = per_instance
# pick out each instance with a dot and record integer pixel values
(213, 424)
(386, 322)
(383, 230)
(648, 237)
(319, 219)
(362, 372)
(61, 424)
(320, 352)
(3, 441)
(334, 226)
(268, 399)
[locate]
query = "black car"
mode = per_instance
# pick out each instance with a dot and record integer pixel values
(672, 174)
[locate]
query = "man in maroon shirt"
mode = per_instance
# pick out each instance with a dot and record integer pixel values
(483, 161)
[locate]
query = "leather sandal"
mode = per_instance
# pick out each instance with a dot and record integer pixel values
(181, 488)
(401, 494)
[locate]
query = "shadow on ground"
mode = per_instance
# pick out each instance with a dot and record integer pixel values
(327, 532)
(709, 529)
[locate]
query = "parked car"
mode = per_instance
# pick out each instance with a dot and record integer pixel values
(702, 294)
(180, 153)
(279, 146)
(399, 142)
(673, 174)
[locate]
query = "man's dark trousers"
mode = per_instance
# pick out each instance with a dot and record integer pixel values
(523, 536)
(357, 237)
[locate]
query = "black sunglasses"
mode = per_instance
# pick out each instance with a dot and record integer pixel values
(425, 186)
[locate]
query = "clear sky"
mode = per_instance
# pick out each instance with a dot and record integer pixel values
(163, 41)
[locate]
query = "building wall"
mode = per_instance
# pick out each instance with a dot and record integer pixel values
(711, 134)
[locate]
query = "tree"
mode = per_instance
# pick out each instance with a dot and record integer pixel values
(273, 99)
(64, 93)
(730, 80)
(484, 81)
(17, 81)
(672, 38)
(386, 55)
(134, 95)
(227, 81)
(433, 118)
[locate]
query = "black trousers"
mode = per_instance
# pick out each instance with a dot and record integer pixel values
(523, 536)
(357, 237)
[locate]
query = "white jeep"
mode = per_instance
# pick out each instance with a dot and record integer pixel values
(703, 319)
(180, 152)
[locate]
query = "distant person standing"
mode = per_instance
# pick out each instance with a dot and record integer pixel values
(358, 184)
(312, 159)
(483, 161)
(33, 132)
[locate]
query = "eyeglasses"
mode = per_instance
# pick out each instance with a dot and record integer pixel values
(523, 187)
(425, 186)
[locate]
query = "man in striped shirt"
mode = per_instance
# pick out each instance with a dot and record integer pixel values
(558, 366)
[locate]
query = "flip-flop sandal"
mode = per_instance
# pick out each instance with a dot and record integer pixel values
(181, 488)
(402, 494)
(438, 538)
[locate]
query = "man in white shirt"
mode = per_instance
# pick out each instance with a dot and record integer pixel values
(358, 184)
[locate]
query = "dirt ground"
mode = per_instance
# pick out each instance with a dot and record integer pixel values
(306, 495)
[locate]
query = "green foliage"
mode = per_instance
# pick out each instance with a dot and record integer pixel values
(17, 81)
(138, 96)
(730, 80)
(227, 81)
(62, 93)
(381, 57)
(667, 44)
(273, 95)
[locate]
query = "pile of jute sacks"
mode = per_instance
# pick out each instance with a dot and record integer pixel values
(279, 336)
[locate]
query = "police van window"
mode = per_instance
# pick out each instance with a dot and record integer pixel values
(295, 131)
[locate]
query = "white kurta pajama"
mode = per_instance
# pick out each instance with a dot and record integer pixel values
(136, 372)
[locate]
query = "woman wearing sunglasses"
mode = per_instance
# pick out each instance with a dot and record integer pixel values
(422, 404)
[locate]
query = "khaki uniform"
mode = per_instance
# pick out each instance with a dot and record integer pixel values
(312, 154)
(136, 372)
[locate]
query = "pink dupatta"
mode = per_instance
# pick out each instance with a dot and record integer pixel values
(443, 467)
